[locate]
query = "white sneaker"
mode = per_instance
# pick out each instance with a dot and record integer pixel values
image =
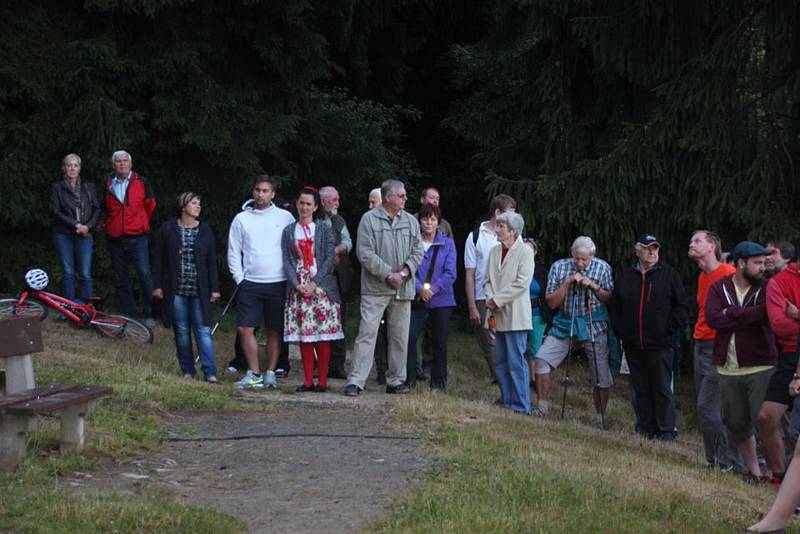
(250, 381)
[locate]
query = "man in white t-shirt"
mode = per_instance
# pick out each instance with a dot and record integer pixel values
(256, 264)
(476, 258)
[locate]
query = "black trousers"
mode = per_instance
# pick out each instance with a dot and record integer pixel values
(339, 347)
(440, 322)
(651, 376)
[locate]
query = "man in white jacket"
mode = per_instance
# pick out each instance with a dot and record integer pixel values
(256, 264)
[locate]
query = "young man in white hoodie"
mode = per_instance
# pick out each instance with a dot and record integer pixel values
(256, 264)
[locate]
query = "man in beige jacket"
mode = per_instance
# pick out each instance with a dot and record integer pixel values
(389, 248)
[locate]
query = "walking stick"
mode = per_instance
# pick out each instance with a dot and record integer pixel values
(224, 311)
(569, 350)
(594, 360)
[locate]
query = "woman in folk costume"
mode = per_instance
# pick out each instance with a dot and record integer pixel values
(313, 313)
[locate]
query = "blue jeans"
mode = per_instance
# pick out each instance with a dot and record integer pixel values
(187, 316)
(440, 322)
(513, 374)
(76, 259)
(125, 250)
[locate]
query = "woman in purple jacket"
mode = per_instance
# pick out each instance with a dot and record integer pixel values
(435, 299)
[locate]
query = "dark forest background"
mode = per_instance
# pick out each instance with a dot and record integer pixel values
(607, 118)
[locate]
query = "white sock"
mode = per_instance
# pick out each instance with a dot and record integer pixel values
(544, 406)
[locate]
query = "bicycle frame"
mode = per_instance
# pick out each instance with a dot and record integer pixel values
(62, 305)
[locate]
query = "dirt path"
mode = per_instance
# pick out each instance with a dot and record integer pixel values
(319, 462)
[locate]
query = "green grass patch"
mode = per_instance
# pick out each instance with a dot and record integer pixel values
(38, 509)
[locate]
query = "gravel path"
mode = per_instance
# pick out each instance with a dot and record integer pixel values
(317, 463)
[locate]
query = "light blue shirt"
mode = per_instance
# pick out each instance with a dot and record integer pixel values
(120, 187)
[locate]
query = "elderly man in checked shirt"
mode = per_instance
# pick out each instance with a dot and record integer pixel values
(572, 283)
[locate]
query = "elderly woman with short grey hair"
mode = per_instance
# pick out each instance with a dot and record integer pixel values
(508, 278)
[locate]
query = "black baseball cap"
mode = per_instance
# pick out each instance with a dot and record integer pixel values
(647, 240)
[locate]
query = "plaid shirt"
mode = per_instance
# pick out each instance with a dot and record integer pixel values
(187, 275)
(599, 271)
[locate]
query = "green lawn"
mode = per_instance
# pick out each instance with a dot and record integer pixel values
(494, 471)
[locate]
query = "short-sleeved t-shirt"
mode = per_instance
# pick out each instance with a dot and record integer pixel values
(704, 281)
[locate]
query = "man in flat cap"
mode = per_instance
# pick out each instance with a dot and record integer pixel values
(744, 353)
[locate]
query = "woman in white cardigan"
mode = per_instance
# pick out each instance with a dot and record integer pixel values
(508, 278)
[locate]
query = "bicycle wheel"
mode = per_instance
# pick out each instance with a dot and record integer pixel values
(121, 326)
(29, 308)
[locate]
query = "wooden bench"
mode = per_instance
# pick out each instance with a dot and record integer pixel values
(23, 401)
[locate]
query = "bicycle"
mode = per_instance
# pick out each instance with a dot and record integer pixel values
(33, 302)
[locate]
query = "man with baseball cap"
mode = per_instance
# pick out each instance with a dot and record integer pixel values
(647, 305)
(744, 347)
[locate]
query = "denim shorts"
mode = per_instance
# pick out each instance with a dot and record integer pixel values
(256, 301)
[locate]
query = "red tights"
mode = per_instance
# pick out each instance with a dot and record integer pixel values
(323, 349)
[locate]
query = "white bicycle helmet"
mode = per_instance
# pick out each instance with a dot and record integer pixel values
(37, 279)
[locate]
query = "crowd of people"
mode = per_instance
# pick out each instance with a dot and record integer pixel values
(293, 275)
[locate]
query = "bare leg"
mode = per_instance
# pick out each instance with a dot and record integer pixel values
(769, 418)
(273, 348)
(250, 347)
(785, 502)
(747, 449)
(600, 396)
(543, 386)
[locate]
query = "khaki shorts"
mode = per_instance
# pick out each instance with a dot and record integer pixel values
(554, 350)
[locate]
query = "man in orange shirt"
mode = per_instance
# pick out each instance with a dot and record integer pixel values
(705, 248)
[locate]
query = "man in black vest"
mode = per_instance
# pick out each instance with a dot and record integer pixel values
(343, 244)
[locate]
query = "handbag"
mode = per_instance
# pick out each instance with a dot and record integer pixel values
(417, 303)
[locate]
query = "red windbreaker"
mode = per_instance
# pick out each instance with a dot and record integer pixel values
(131, 217)
(782, 287)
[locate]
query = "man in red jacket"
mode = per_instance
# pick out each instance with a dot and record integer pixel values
(783, 299)
(744, 347)
(129, 202)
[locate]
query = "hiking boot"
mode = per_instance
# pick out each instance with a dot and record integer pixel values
(250, 380)
(351, 390)
(400, 389)
(270, 381)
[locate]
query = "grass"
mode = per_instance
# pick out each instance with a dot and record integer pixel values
(501, 472)
(494, 471)
(146, 385)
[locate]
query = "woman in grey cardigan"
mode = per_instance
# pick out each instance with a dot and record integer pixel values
(313, 312)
